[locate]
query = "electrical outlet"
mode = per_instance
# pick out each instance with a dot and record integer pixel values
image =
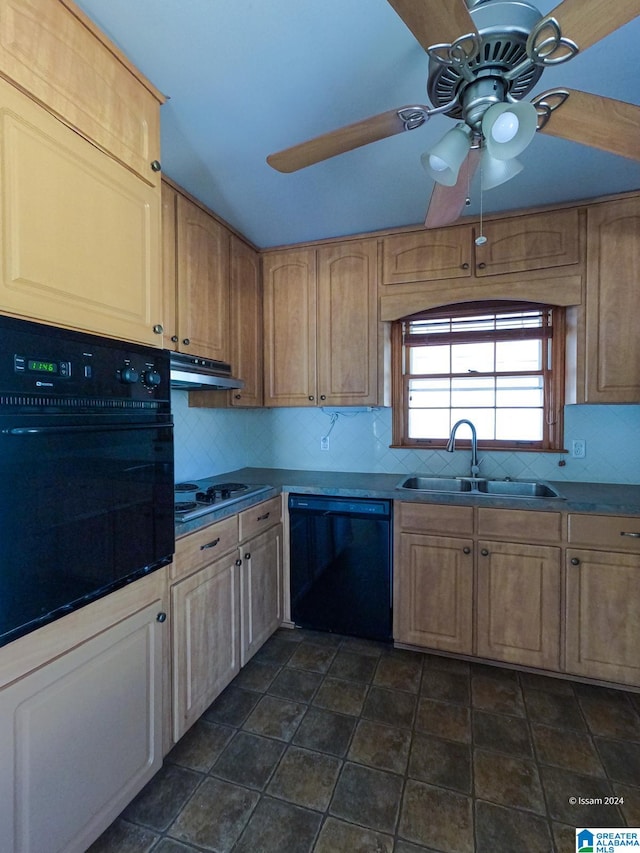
(578, 448)
(324, 442)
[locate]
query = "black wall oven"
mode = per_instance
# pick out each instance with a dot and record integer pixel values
(86, 470)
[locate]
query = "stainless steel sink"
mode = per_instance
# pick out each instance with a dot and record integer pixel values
(436, 484)
(517, 489)
(480, 487)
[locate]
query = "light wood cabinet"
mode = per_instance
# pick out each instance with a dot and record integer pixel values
(246, 324)
(80, 727)
(433, 592)
(80, 243)
(518, 604)
(202, 263)
(612, 343)
(603, 615)
(55, 53)
(261, 589)
(322, 343)
(603, 597)
(205, 611)
(226, 600)
(515, 244)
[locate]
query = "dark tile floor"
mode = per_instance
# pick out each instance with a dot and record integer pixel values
(337, 745)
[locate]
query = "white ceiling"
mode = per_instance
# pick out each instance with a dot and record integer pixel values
(246, 78)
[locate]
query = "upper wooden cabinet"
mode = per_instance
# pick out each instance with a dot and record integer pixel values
(55, 53)
(612, 343)
(246, 323)
(80, 243)
(322, 345)
(517, 244)
(196, 278)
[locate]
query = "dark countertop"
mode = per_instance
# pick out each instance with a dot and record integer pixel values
(604, 498)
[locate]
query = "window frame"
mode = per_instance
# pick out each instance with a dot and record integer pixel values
(554, 384)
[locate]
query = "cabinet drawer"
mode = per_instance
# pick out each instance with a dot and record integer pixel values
(520, 525)
(615, 532)
(435, 518)
(202, 547)
(259, 517)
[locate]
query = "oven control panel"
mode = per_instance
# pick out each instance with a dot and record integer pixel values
(40, 359)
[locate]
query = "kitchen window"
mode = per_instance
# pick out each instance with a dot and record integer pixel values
(500, 365)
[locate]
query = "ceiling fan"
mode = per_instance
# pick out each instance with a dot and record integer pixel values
(485, 56)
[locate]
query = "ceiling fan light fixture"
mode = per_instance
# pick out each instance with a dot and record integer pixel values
(509, 128)
(494, 172)
(443, 161)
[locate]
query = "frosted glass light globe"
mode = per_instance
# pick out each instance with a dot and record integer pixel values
(505, 127)
(437, 163)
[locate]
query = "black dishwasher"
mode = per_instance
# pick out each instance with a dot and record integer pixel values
(340, 552)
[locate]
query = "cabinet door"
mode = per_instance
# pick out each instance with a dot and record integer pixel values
(348, 324)
(203, 282)
(518, 614)
(246, 323)
(603, 616)
(169, 269)
(80, 737)
(433, 593)
(290, 328)
(261, 589)
(205, 613)
(439, 253)
(523, 243)
(81, 233)
(612, 351)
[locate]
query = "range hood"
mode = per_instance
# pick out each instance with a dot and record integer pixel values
(194, 373)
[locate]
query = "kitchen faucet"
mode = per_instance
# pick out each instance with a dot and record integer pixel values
(451, 445)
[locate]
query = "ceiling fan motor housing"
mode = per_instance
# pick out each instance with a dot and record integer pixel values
(503, 26)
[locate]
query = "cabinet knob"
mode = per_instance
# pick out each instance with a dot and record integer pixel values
(186, 341)
(158, 328)
(465, 266)
(238, 562)
(247, 556)
(238, 396)
(156, 166)
(174, 338)
(575, 561)
(466, 550)
(311, 397)
(323, 396)
(161, 617)
(484, 552)
(482, 265)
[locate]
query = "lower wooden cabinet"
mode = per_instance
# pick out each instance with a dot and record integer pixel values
(433, 599)
(206, 639)
(80, 735)
(261, 591)
(225, 602)
(518, 603)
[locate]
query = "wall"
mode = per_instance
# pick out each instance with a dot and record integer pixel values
(212, 441)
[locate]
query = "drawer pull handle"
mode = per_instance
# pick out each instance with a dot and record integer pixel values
(263, 517)
(210, 544)
(632, 535)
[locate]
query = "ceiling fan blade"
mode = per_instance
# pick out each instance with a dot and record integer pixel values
(435, 21)
(587, 21)
(603, 123)
(344, 139)
(447, 203)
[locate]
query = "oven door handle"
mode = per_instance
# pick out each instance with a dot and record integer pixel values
(60, 430)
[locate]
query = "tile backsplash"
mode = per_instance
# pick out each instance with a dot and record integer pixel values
(214, 441)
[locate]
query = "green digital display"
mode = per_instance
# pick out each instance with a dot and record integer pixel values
(42, 366)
